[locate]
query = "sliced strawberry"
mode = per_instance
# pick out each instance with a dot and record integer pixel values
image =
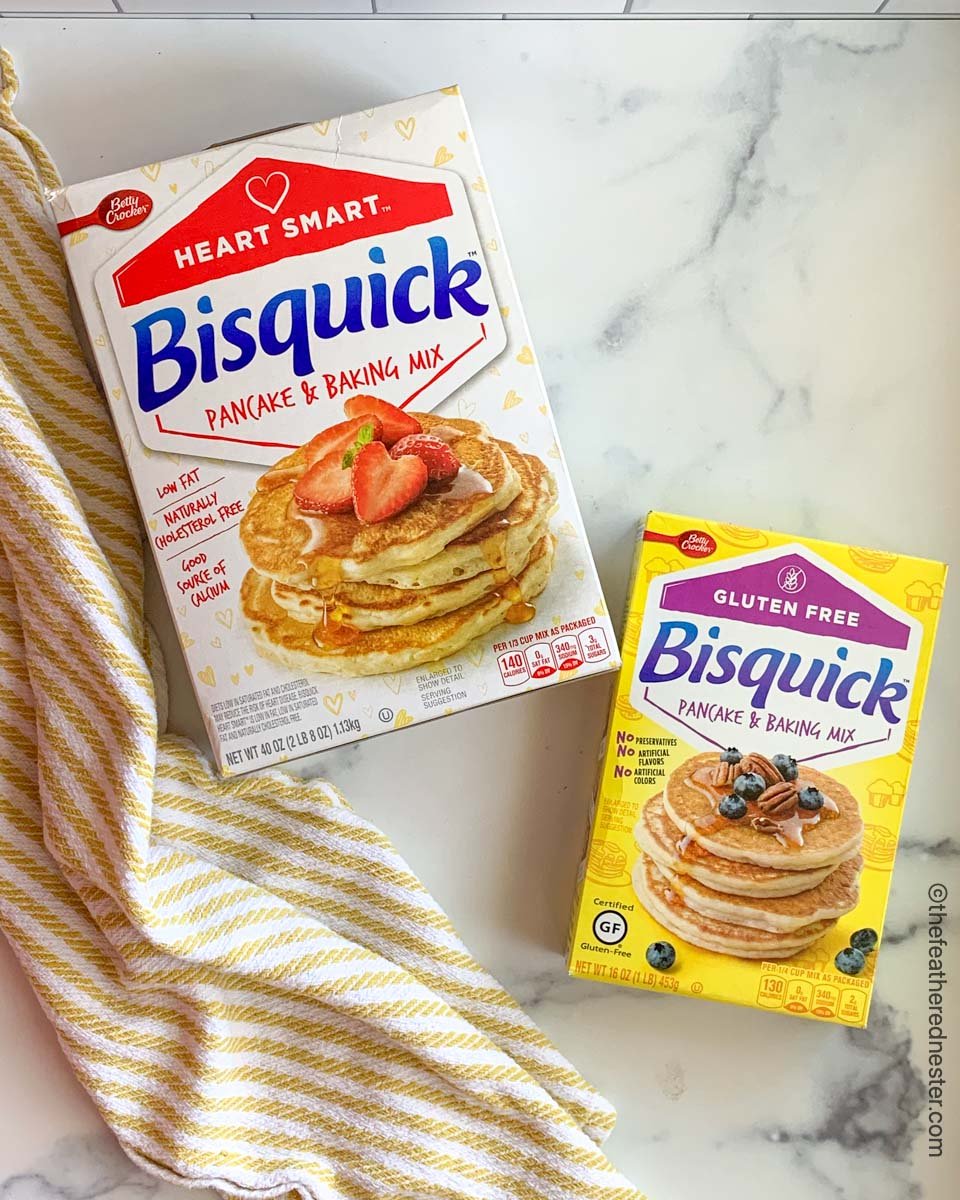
(439, 459)
(339, 438)
(326, 487)
(382, 486)
(396, 422)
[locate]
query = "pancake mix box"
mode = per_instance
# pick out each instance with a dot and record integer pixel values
(755, 768)
(337, 429)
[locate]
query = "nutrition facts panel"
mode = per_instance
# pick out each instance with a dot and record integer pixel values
(545, 658)
(812, 993)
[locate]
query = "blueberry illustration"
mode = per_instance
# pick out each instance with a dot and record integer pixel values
(733, 807)
(749, 786)
(786, 765)
(730, 755)
(661, 956)
(864, 940)
(810, 799)
(850, 961)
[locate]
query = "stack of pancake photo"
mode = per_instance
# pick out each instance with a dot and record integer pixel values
(394, 539)
(749, 856)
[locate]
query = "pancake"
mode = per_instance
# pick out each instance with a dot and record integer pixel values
(376, 606)
(658, 837)
(501, 541)
(665, 906)
(607, 862)
(320, 552)
(828, 900)
(341, 651)
(801, 843)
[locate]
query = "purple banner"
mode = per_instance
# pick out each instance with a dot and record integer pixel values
(787, 592)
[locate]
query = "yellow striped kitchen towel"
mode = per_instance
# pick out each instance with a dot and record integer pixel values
(254, 988)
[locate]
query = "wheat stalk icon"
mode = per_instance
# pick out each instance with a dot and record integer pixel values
(791, 579)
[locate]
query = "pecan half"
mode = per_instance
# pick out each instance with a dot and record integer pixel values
(763, 767)
(725, 773)
(780, 800)
(765, 825)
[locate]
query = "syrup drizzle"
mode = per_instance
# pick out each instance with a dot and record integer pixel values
(318, 531)
(276, 477)
(684, 844)
(446, 433)
(495, 547)
(520, 611)
(325, 574)
(465, 483)
(330, 632)
(791, 830)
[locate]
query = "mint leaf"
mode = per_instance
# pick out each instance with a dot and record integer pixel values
(364, 438)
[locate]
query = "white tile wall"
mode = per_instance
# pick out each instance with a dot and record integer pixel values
(351, 8)
(73, 7)
(767, 7)
(491, 9)
(534, 7)
(923, 6)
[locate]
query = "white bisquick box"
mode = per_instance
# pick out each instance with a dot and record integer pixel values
(337, 430)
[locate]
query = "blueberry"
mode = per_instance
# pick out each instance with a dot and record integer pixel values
(786, 765)
(850, 961)
(661, 956)
(810, 799)
(864, 940)
(733, 807)
(749, 786)
(731, 755)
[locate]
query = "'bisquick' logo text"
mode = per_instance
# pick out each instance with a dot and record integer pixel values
(681, 651)
(173, 349)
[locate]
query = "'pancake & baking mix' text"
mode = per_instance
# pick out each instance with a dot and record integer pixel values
(336, 427)
(755, 768)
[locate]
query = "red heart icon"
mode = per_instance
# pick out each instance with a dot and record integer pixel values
(268, 193)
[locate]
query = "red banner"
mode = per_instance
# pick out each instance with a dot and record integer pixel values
(270, 210)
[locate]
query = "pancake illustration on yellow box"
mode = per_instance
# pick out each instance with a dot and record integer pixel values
(804, 821)
(777, 852)
(723, 937)
(676, 853)
(393, 540)
(755, 768)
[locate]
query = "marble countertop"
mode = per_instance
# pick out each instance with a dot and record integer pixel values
(755, 223)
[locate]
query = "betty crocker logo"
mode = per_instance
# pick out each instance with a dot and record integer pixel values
(117, 211)
(694, 543)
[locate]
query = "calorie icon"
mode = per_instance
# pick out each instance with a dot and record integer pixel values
(513, 668)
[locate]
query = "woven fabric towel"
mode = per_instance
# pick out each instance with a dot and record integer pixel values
(254, 988)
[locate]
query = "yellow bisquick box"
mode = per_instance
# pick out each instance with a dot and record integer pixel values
(755, 768)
